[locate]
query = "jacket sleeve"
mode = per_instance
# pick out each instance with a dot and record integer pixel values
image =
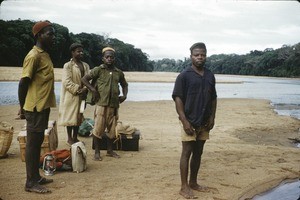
(67, 79)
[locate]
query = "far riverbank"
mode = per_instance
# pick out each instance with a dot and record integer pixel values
(14, 74)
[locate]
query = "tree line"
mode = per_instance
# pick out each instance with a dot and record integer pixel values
(16, 40)
(281, 62)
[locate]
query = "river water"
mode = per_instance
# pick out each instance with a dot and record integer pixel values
(285, 191)
(284, 94)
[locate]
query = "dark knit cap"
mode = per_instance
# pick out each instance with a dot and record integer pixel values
(39, 26)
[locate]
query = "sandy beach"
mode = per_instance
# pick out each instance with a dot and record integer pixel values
(247, 153)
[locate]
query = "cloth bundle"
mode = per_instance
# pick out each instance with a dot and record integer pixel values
(124, 129)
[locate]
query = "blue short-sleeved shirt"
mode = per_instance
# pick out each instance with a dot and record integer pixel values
(197, 93)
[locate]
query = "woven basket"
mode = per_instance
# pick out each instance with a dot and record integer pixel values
(6, 136)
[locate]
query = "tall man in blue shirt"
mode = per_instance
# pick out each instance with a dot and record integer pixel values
(196, 100)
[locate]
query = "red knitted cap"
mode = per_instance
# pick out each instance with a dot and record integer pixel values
(39, 26)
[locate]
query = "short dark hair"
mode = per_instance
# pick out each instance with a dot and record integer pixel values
(74, 46)
(199, 45)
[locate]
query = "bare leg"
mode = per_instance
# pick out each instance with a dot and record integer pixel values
(75, 133)
(110, 151)
(185, 190)
(96, 142)
(195, 166)
(69, 131)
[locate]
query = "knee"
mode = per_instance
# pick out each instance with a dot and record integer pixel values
(185, 154)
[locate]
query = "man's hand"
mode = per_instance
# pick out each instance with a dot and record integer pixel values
(82, 92)
(96, 96)
(21, 114)
(188, 128)
(122, 98)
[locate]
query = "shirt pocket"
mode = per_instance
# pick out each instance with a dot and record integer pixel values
(47, 71)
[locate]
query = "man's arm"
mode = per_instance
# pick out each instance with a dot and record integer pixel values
(211, 120)
(22, 93)
(124, 86)
(180, 111)
(86, 81)
(125, 92)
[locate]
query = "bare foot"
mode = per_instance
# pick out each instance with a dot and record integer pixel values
(187, 193)
(199, 188)
(97, 157)
(112, 154)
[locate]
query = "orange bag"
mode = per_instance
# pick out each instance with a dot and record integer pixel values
(62, 156)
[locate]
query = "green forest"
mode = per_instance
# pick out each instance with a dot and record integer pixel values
(282, 62)
(16, 40)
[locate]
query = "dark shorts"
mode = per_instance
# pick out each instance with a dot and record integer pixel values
(37, 121)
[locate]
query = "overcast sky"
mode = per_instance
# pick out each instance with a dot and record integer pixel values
(167, 28)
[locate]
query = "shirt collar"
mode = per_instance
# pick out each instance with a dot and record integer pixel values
(38, 49)
(103, 66)
(190, 69)
(73, 61)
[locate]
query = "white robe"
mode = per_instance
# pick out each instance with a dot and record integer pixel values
(69, 106)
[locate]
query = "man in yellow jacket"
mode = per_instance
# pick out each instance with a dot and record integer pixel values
(36, 96)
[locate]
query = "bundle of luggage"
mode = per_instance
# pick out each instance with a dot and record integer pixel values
(67, 160)
(127, 138)
(6, 136)
(50, 142)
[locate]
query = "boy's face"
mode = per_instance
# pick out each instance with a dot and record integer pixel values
(78, 53)
(108, 58)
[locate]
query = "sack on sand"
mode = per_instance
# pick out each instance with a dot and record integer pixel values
(6, 136)
(78, 152)
(86, 127)
(124, 129)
